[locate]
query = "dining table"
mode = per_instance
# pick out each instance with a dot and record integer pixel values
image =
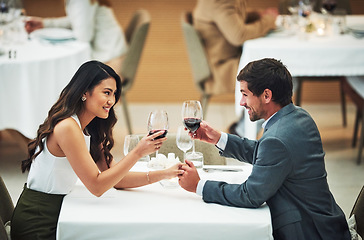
(162, 211)
(306, 55)
(32, 74)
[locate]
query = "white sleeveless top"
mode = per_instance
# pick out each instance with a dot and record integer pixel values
(51, 174)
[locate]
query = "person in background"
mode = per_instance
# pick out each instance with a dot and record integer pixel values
(75, 142)
(91, 21)
(288, 161)
(224, 25)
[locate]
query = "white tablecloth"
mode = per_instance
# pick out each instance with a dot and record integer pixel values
(331, 55)
(155, 212)
(31, 82)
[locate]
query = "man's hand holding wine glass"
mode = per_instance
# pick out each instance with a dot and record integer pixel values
(206, 133)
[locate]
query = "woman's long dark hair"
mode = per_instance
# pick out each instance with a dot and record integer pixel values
(69, 103)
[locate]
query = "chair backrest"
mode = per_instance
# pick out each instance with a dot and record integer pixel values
(196, 52)
(358, 211)
(136, 34)
(210, 152)
(6, 204)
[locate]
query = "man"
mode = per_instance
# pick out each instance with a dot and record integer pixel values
(224, 25)
(288, 161)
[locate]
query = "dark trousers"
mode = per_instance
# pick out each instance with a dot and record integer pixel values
(36, 215)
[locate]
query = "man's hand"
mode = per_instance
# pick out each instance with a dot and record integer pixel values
(206, 133)
(190, 178)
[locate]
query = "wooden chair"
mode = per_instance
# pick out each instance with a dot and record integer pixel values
(136, 34)
(358, 211)
(201, 71)
(354, 88)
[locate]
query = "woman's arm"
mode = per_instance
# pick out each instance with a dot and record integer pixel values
(69, 137)
(138, 179)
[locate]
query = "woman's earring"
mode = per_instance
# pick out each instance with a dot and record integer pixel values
(83, 98)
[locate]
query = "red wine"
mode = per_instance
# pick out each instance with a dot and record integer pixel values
(192, 123)
(160, 136)
(329, 6)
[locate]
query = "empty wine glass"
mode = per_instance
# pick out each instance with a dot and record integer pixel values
(183, 140)
(305, 7)
(130, 143)
(158, 121)
(192, 117)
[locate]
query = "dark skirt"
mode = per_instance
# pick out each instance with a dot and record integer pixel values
(36, 215)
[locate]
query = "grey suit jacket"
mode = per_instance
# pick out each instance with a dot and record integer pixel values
(289, 175)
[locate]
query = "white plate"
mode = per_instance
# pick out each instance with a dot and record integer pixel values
(53, 34)
(357, 28)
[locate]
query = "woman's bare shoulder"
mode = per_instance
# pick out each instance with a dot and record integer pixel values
(67, 126)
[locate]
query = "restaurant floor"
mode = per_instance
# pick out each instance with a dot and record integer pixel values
(345, 177)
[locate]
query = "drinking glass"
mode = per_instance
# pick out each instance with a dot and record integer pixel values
(130, 143)
(328, 6)
(158, 121)
(292, 7)
(192, 117)
(305, 7)
(183, 140)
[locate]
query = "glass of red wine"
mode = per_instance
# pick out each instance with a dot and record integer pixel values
(158, 121)
(329, 5)
(192, 116)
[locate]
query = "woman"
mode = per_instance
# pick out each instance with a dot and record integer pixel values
(75, 142)
(91, 21)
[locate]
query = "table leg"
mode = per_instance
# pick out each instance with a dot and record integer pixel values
(343, 100)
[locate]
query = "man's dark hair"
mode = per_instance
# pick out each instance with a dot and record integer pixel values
(268, 73)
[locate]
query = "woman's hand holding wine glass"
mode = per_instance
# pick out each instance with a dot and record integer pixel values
(149, 144)
(158, 121)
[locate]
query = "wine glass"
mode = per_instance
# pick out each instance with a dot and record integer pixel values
(305, 7)
(158, 121)
(130, 143)
(183, 140)
(328, 6)
(292, 7)
(192, 117)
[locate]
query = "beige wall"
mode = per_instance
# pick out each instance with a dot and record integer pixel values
(164, 73)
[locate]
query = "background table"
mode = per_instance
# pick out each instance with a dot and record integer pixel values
(331, 55)
(32, 80)
(155, 212)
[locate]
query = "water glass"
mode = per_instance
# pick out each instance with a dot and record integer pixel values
(130, 143)
(196, 158)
